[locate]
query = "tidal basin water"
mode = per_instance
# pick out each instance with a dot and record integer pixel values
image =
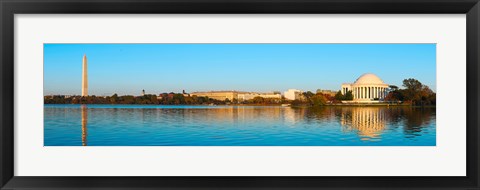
(154, 125)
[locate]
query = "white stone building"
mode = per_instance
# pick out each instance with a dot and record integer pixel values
(242, 96)
(292, 94)
(368, 87)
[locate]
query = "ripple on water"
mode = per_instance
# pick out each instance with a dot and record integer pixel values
(126, 125)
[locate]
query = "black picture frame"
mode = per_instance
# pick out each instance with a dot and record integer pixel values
(11, 7)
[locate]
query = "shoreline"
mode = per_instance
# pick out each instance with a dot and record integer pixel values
(273, 105)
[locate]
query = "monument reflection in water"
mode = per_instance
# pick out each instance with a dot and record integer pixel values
(368, 122)
(84, 124)
(134, 125)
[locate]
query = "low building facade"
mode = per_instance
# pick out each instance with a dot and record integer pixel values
(250, 95)
(218, 95)
(292, 94)
(237, 95)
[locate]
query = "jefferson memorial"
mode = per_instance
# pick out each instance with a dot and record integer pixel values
(368, 87)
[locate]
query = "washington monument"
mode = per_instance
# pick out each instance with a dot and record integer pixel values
(84, 77)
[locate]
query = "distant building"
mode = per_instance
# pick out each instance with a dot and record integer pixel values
(237, 95)
(327, 92)
(243, 96)
(367, 87)
(292, 94)
(143, 92)
(185, 94)
(218, 95)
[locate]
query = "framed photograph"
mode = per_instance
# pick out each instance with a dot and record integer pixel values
(239, 94)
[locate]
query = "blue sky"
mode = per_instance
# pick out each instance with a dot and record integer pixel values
(129, 68)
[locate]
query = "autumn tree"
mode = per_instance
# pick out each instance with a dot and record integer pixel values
(415, 92)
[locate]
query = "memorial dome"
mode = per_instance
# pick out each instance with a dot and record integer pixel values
(369, 78)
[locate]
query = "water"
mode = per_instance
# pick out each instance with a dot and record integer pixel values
(146, 125)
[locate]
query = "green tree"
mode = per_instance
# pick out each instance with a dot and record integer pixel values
(308, 95)
(412, 84)
(393, 87)
(178, 99)
(227, 100)
(339, 95)
(348, 95)
(128, 100)
(396, 95)
(258, 100)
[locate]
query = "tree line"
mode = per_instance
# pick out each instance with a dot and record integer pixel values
(165, 99)
(415, 93)
(162, 99)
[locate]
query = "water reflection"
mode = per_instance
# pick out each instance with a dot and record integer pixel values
(242, 125)
(84, 124)
(368, 122)
(413, 120)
